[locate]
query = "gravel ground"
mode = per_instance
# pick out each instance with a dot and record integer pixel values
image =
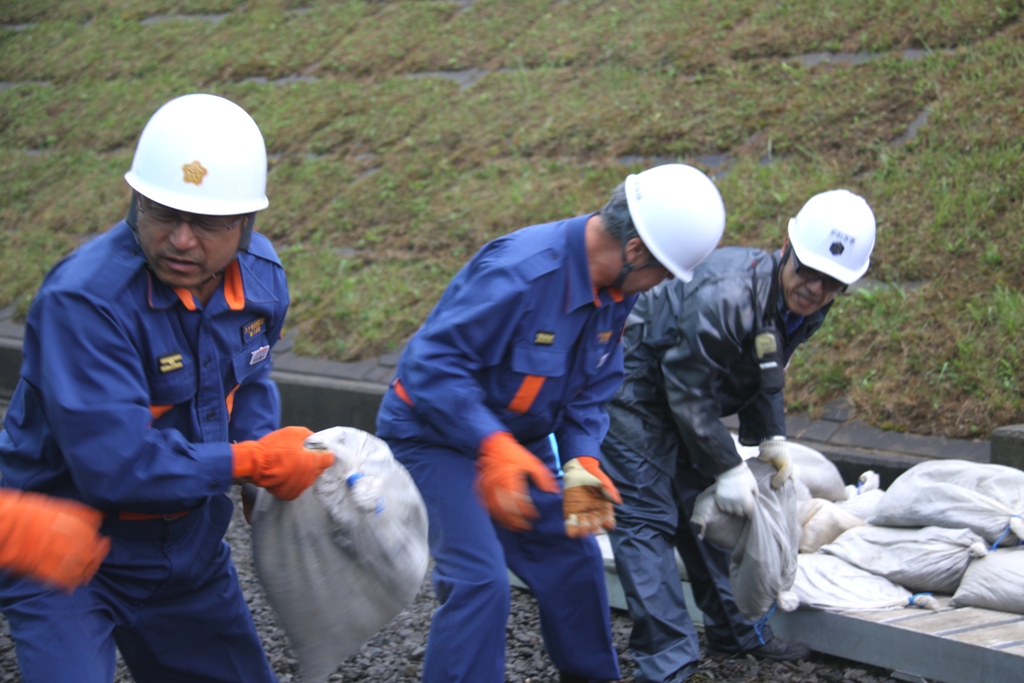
(395, 655)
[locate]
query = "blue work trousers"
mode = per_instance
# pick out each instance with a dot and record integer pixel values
(472, 556)
(651, 524)
(167, 595)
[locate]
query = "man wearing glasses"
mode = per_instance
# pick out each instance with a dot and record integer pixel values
(696, 352)
(145, 393)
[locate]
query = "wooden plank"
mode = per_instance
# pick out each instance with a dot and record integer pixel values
(951, 621)
(995, 636)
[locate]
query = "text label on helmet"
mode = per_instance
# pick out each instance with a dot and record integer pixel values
(194, 172)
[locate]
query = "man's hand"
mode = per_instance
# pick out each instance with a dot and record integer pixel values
(775, 452)
(588, 498)
(280, 462)
(504, 467)
(53, 540)
(736, 490)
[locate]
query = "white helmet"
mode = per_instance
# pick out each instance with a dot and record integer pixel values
(834, 234)
(202, 154)
(679, 214)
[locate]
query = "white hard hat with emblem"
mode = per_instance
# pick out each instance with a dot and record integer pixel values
(679, 214)
(834, 234)
(202, 154)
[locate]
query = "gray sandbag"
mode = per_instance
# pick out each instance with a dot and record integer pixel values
(931, 558)
(764, 546)
(341, 560)
(817, 473)
(994, 582)
(828, 582)
(957, 494)
(864, 504)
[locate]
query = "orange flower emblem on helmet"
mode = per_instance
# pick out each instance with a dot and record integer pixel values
(194, 172)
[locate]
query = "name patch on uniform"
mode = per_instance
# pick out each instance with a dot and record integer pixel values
(170, 363)
(603, 337)
(253, 327)
(544, 338)
(259, 354)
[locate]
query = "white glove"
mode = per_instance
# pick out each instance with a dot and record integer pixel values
(775, 452)
(736, 490)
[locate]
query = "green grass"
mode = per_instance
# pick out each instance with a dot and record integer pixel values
(383, 185)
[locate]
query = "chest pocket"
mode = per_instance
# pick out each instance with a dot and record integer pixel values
(537, 364)
(173, 387)
(253, 358)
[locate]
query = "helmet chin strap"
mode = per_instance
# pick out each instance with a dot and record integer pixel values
(628, 268)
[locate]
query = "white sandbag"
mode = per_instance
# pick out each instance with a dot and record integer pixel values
(814, 475)
(764, 546)
(867, 481)
(994, 582)
(821, 522)
(345, 557)
(817, 473)
(956, 494)
(863, 505)
(829, 583)
(929, 559)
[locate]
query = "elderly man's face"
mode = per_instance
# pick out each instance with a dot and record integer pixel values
(806, 291)
(187, 250)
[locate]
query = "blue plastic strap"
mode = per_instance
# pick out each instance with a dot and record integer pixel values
(910, 600)
(353, 478)
(1003, 535)
(760, 623)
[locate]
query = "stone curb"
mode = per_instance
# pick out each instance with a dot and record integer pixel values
(322, 393)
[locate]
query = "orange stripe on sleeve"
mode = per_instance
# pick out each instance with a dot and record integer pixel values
(526, 394)
(402, 393)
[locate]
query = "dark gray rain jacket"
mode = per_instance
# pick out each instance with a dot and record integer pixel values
(690, 361)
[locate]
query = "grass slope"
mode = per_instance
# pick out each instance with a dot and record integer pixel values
(403, 135)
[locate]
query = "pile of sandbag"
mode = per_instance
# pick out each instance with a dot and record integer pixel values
(345, 557)
(946, 527)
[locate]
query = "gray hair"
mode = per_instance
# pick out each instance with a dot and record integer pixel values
(615, 215)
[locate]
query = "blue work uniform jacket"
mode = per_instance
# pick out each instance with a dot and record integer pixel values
(520, 341)
(130, 390)
(690, 360)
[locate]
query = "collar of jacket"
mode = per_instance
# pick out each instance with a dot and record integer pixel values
(579, 286)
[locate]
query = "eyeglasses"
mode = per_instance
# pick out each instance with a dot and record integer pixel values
(810, 276)
(167, 219)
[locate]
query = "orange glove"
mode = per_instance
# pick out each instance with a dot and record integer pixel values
(588, 497)
(280, 463)
(504, 466)
(53, 540)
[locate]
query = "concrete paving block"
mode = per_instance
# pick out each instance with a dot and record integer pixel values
(860, 435)
(1008, 446)
(818, 430)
